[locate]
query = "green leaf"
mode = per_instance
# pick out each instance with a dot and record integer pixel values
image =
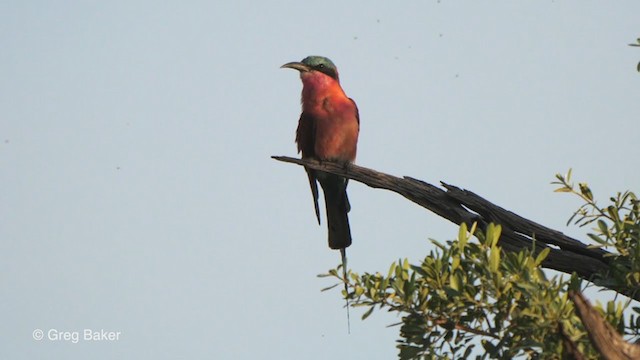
(562, 189)
(455, 282)
(455, 262)
(409, 352)
(494, 259)
(367, 313)
(398, 269)
(571, 218)
(604, 229)
(392, 269)
(439, 244)
(575, 283)
(467, 352)
(384, 283)
(330, 287)
(493, 233)
(597, 239)
(489, 347)
(489, 234)
(613, 213)
(541, 256)
(462, 232)
(463, 236)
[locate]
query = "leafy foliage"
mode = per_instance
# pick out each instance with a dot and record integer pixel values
(617, 228)
(470, 298)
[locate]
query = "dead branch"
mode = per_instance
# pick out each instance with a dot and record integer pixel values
(463, 206)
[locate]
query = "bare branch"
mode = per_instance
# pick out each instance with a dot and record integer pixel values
(463, 206)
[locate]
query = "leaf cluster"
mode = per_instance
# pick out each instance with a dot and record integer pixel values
(468, 297)
(617, 229)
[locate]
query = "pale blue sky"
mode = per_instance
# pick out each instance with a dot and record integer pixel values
(138, 194)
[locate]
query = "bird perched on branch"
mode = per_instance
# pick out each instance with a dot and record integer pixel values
(327, 130)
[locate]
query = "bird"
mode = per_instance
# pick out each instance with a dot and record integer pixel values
(328, 130)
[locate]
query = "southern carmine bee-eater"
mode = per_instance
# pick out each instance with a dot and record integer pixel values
(327, 130)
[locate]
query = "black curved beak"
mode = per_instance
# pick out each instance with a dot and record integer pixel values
(297, 66)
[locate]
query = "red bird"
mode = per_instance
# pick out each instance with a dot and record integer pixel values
(327, 130)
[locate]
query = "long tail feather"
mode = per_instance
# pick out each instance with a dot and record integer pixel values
(337, 203)
(314, 191)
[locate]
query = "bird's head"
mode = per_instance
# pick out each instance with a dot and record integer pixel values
(312, 64)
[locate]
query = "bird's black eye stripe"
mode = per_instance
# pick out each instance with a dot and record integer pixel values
(326, 70)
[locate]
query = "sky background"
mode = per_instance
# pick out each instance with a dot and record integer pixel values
(138, 193)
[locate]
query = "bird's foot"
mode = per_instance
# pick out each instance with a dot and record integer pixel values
(346, 165)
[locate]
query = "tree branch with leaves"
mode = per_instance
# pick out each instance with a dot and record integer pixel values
(484, 292)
